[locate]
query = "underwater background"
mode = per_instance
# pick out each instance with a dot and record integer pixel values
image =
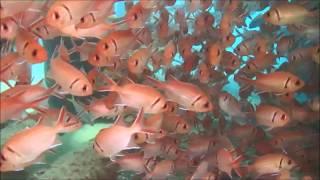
(76, 160)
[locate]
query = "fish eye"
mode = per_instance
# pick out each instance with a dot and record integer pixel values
(228, 38)
(106, 46)
(225, 98)
(136, 62)
(289, 162)
(2, 157)
(268, 14)
(200, 72)
(93, 81)
(258, 48)
(84, 88)
(287, 94)
(184, 126)
(136, 136)
(206, 105)
(82, 20)
(96, 58)
(164, 106)
(56, 15)
(238, 49)
(5, 27)
(283, 117)
(34, 53)
(37, 29)
(297, 83)
(233, 62)
(248, 67)
(218, 52)
(135, 16)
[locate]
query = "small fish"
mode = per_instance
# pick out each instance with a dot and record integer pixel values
(271, 116)
(138, 96)
(182, 92)
(137, 16)
(138, 60)
(64, 13)
(110, 141)
(97, 15)
(282, 14)
(277, 82)
(231, 106)
(70, 79)
(204, 74)
(17, 152)
(169, 52)
(175, 124)
(213, 53)
(230, 62)
(116, 43)
(28, 47)
(272, 163)
(261, 62)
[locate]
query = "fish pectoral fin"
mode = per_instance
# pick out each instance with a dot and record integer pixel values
(56, 143)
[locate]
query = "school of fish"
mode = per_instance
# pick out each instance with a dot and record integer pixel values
(183, 122)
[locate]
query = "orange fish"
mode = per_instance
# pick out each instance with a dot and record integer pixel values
(213, 53)
(271, 116)
(70, 79)
(97, 15)
(117, 43)
(182, 92)
(173, 123)
(272, 163)
(282, 14)
(138, 96)
(28, 47)
(109, 142)
(64, 13)
(277, 82)
(17, 153)
(261, 62)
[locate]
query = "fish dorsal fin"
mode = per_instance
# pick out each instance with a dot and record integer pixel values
(120, 121)
(137, 124)
(125, 81)
(170, 77)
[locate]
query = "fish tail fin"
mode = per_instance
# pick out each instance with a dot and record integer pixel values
(154, 82)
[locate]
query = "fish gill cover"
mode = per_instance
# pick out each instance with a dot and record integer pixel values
(178, 89)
